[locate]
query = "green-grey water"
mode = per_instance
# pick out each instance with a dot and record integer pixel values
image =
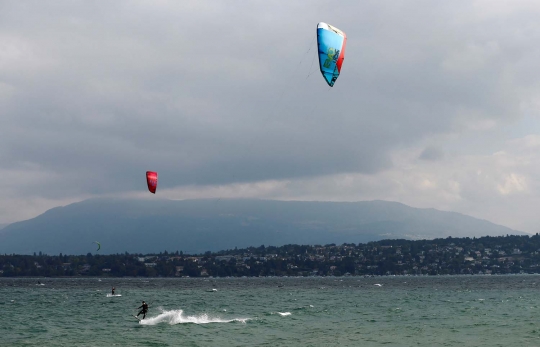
(353, 311)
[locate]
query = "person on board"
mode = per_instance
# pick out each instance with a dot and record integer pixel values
(113, 289)
(144, 309)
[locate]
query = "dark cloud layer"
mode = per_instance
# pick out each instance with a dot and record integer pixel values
(94, 94)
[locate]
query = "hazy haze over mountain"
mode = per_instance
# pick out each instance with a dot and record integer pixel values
(194, 226)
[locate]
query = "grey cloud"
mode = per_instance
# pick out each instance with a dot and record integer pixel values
(431, 153)
(205, 93)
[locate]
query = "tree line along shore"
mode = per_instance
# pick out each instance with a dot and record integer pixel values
(450, 256)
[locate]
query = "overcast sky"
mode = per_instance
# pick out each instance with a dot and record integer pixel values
(437, 105)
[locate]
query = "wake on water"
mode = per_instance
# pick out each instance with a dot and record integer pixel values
(177, 317)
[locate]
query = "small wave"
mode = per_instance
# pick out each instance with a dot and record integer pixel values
(283, 314)
(174, 317)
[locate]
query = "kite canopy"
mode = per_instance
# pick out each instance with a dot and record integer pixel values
(331, 43)
(98, 244)
(151, 181)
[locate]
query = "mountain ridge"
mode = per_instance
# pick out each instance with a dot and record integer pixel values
(196, 226)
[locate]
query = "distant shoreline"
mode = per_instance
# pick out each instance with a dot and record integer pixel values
(451, 256)
(267, 277)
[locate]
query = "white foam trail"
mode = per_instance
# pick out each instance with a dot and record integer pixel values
(177, 317)
(283, 314)
(111, 295)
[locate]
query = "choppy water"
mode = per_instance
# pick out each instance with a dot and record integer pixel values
(390, 311)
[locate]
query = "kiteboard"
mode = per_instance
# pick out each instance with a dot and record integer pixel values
(137, 318)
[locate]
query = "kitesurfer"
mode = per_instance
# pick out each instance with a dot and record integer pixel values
(144, 309)
(113, 290)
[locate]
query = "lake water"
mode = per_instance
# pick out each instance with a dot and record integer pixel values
(352, 311)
